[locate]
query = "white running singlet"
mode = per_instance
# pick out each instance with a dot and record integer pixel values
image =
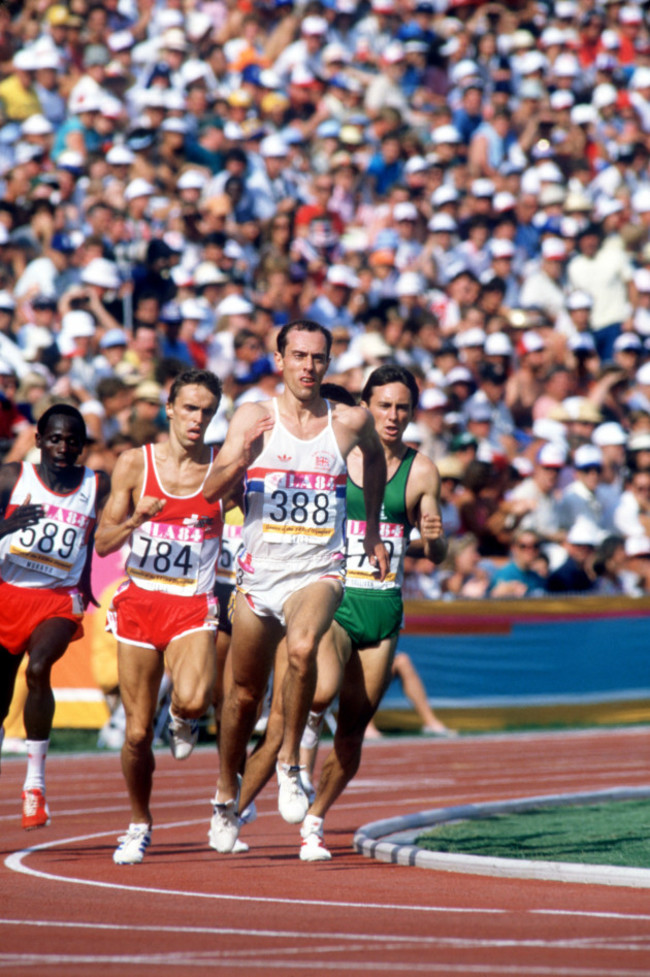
(294, 501)
(53, 552)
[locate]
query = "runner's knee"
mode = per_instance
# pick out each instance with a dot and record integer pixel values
(138, 736)
(301, 653)
(38, 672)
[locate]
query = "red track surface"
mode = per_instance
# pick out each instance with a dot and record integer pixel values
(67, 910)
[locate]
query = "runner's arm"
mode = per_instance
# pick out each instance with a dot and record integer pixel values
(27, 514)
(120, 517)
(423, 495)
(85, 581)
(243, 443)
(374, 484)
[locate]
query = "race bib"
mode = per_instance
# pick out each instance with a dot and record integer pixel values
(359, 573)
(53, 545)
(230, 543)
(299, 507)
(167, 557)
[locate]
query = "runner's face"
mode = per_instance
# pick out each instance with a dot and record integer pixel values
(304, 363)
(390, 407)
(191, 412)
(62, 442)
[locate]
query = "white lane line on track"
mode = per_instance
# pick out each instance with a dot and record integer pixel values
(15, 863)
(392, 941)
(222, 960)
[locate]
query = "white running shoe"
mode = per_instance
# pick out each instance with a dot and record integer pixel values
(292, 800)
(183, 736)
(239, 847)
(224, 827)
(133, 845)
(313, 848)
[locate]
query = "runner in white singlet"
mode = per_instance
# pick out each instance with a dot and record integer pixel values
(49, 511)
(288, 456)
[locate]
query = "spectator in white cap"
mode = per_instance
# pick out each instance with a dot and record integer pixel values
(411, 291)
(576, 574)
(100, 285)
(469, 343)
(234, 312)
(502, 252)
(306, 51)
(407, 223)
(440, 245)
(611, 438)
(575, 319)
(542, 492)
(544, 289)
(430, 419)
(77, 342)
(137, 197)
(273, 187)
(385, 89)
(334, 305)
(582, 496)
(499, 351)
(17, 95)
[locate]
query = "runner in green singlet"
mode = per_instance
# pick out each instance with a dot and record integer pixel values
(356, 654)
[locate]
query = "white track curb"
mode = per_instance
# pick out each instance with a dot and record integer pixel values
(392, 840)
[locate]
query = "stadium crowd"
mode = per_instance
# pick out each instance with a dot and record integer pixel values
(460, 188)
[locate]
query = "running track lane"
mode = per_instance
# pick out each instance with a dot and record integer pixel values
(66, 910)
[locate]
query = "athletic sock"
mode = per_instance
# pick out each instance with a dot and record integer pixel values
(36, 756)
(312, 731)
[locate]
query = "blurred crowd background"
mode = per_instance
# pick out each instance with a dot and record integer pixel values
(461, 188)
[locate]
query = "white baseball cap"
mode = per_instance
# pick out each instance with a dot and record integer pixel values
(609, 433)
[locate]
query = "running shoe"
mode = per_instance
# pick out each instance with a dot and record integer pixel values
(183, 736)
(313, 848)
(36, 813)
(292, 800)
(224, 827)
(133, 845)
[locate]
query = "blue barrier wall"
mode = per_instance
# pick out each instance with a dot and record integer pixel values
(496, 652)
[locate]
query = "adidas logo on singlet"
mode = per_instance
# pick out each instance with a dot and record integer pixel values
(284, 458)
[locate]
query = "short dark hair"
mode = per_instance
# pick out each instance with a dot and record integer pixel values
(65, 410)
(303, 325)
(338, 394)
(390, 373)
(201, 378)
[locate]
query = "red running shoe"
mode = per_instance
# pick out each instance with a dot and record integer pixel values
(36, 813)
